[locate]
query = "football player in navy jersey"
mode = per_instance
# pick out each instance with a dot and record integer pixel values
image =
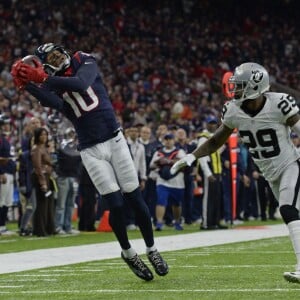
(73, 86)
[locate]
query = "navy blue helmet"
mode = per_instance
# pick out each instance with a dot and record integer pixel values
(43, 50)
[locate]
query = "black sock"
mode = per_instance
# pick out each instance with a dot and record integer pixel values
(142, 214)
(117, 217)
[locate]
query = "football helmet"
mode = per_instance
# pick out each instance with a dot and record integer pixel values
(42, 52)
(249, 81)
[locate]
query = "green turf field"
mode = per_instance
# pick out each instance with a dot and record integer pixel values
(249, 270)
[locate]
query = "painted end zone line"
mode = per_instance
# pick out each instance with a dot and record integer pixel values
(36, 259)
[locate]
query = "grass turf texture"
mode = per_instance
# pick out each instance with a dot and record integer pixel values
(16, 243)
(249, 270)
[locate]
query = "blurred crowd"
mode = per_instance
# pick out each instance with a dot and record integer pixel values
(162, 61)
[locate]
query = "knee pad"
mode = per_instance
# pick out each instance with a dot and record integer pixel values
(289, 213)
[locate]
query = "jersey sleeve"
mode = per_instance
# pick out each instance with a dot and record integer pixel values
(228, 114)
(287, 106)
(45, 97)
(84, 77)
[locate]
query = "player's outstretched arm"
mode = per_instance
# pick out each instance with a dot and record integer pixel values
(210, 146)
(214, 143)
(44, 96)
(80, 82)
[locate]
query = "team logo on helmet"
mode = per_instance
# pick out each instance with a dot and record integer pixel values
(257, 76)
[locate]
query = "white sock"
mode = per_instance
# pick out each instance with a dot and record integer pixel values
(150, 249)
(129, 252)
(294, 229)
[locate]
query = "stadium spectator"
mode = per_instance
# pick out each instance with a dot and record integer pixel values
(137, 151)
(149, 193)
(183, 143)
(170, 189)
(7, 173)
(25, 173)
(68, 162)
(210, 169)
(43, 218)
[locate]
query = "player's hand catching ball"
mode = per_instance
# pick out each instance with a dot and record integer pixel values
(28, 69)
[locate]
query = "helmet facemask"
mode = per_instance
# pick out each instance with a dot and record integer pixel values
(50, 67)
(249, 81)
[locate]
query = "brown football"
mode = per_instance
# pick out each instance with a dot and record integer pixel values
(29, 60)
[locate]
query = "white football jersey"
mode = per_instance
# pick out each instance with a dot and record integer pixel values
(266, 134)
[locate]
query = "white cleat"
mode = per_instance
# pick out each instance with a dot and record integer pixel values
(292, 276)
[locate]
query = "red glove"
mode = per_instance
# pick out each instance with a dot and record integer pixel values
(30, 73)
(37, 63)
(18, 81)
(16, 68)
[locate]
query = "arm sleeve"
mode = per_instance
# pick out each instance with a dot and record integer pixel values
(44, 96)
(83, 78)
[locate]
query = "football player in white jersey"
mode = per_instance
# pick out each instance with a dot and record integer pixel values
(264, 121)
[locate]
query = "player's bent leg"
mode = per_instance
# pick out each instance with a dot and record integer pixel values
(143, 220)
(115, 203)
(143, 217)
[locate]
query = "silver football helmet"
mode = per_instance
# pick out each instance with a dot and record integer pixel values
(249, 81)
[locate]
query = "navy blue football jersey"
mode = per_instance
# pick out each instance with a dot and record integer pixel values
(80, 95)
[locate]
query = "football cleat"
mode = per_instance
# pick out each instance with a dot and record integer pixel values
(292, 276)
(138, 267)
(160, 266)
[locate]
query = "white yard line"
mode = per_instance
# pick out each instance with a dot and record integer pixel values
(36, 259)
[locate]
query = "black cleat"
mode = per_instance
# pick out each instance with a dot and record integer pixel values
(160, 266)
(138, 267)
